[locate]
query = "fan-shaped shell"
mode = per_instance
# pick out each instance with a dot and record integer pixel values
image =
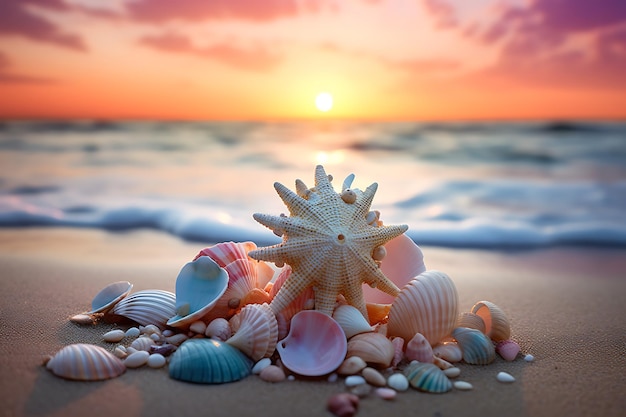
(427, 305)
(497, 325)
(85, 362)
(351, 320)
(418, 349)
(373, 348)
(471, 321)
(448, 351)
(208, 361)
(476, 346)
(148, 307)
(219, 329)
(199, 285)
(427, 377)
(226, 252)
(109, 296)
(316, 344)
(257, 333)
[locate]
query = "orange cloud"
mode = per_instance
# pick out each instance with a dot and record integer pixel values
(9, 77)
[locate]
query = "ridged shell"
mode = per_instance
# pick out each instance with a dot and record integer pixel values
(471, 321)
(148, 307)
(418, 349)
(351, 320)
(427, 377)
(448, 351)
(208, 361)
(257, 333)
(497, 325)
(316, 344)
(219, 329)
(85, 362)
(226, 252)
(109, 296)
(199, 285)
(507, 349)
(142, 343)
(477, 348)
(427, 305)
(373, 348)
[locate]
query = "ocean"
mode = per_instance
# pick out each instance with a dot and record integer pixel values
(477, 184)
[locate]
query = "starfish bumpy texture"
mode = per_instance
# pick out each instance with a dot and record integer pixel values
(328, 242)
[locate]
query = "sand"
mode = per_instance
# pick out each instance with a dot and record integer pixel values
(567, 307)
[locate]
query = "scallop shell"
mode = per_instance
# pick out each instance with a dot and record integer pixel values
(148, 307)
(257, 333)
(427, 305)
(403, 262)
(476, 346)
(497, 325)
(427, 377)
(470, 320)
(109, 296)
(373, 348)
(85, 362)
(316, 344)
(351, 320)
(226, 252)
(418, 349)
(219, 329)
(507, 349)
(208, 361)
(448, 351)
(199, 285)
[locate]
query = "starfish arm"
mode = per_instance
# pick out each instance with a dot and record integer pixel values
(276, 223)
(377, 236)
(322, 183)
(356, 299)
(275, 253)
(364, 202)
(296, 204)
(326, 297)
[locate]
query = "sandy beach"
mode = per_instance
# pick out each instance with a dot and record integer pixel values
(566, 307)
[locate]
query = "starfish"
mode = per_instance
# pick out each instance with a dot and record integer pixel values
(329, 243)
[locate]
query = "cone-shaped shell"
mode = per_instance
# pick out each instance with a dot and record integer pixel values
(471, 321)
(476, 346)
(427, 305)
(351, 320)
(109, 296)
(497, 325)
(418, 349)
(148, 307)
(208, 361)
(257, 333)
(373, 348)
(316, 345)
(427, 377)
(84, 362)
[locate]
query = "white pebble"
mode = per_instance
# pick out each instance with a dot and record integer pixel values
(150, 329)
(398, 382)
(120, 352)
(130, 350)
(156, 337)
(504, 377)
(291, 378)
(113, 336)
(529, 358)
(462, 385)
(136, 359)
(333, 377)
(452, 372)
(132, 332)
(354, 380)
(198, 327)
(386, 393)
(260, 365)
(156, 360)
(168, 333)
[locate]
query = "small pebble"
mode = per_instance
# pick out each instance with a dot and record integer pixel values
(361, 390)
(291, 378)
(260, 365)
(120, 352)
(113, 336)
(272, 373)
(142, 343)
(176, 339)
(156, 360)
(155, 337)
(82, 319)
(136, 359)
(529, 358)
(165, 349)
(150, 329)
(198, 327)
(452, 372)
(462, 385)
(333, 377)
(373, 377)
(132, 332)
(398, 382)
(386, 393)
(167, 333)
(130, 350)
(505, 377)
(354, 380)
(343, 404)
(352, 366)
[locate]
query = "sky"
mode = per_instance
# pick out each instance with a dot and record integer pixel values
(268, 60)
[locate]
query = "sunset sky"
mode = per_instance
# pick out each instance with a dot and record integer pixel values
(268, 60)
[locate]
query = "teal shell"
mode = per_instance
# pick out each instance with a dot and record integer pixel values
(209, 361)
(427, 377)
(477, 348)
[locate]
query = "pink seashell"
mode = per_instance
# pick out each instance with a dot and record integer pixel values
(418, 349)
(257, 333)
(227, 252)
(315, 345)
(398, 348)
(497, 325)
(219, 329)
(272, 373)
(448, 351)
(508, 349)
(84, 362)
(403, 262)
(343, 404)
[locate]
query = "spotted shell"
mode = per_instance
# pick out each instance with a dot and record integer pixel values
(477, 348)
(148, 307)
(497, 325)
(257, 333)
(85, 362)
(427, 377)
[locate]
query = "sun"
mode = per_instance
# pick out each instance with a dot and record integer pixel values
(324, 102)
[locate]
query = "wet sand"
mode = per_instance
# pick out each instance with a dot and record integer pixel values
(567, 307)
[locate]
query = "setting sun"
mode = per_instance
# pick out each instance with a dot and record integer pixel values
(324, 102)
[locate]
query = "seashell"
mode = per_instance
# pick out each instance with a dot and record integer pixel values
(442, 364)
(476, 346)
(373, 348)
(272, 373)
(199, 285)
(343, 404)
(208, 361)
(260, 365)
(404, 261)
(226, 252)
(418, 349)
(505, 377)
(137, 359)
(377, 313)
(507, 349)
(315, 345)
(142, 343)
(198, 327)
(427, 377)
(176, 339)
(148, 307)
(156, 360)
(351, 320)
(385, 393)
(448, 351)
(373, 377)
(398, 382)
(150, 329)
(257, 334)
(120, 352)
(113, 336)
(351, 366)
(398, 348)
(84, 362)
(218, 329)
(109, 296)
(428, 305)
(166, 349)
(497, 325)
(471, 321)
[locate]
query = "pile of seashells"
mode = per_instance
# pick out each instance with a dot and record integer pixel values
(223, 323)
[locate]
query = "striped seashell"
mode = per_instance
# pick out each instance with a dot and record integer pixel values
(143, 343)
(373, 348)
(427, 305)
(477, 348)
(471, 321)
(448, 351)
(226, 252)
(109, 296)
(427, 377)
(85, 362)
(257, 334)
(497, 325)
(398, 350)
(351, 320)
(418, 349)
(148, 307)
(208, 361)
(219, 329)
